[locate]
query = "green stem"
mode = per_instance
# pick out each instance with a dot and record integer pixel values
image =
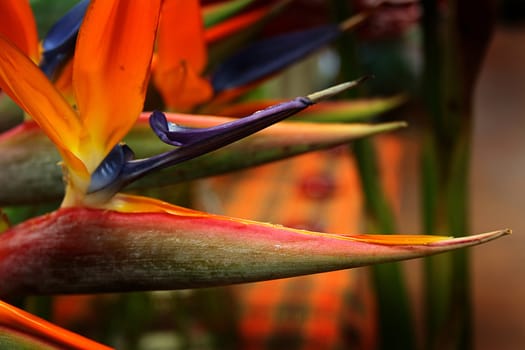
(453, 51)
(447, 277)
(395, 317)
(377, 205)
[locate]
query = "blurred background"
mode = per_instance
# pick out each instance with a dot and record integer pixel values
(498, 170)
(497, 194)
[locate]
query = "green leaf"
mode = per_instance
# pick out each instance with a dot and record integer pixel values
(215, 14)
(29, 161)
(342, 111)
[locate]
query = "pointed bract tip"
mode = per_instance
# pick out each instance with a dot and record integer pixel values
(336, 89)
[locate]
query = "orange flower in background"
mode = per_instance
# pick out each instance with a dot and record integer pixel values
(181, 56)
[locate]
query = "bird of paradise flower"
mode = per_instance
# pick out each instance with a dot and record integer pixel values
(101, 240)
(182, 247)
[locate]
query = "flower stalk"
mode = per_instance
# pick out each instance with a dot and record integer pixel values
(395, 314)
(452, 59)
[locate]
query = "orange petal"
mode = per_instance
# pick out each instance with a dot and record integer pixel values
(111, 68)
(181, 56)
(23, 81)
(235, 24)
(181, 36)
(182, 88)
(225, 97)
(396, 239)
(18, 25)
(64, 82)
(23, 322)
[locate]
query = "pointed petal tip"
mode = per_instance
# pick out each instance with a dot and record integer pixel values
(336, 89)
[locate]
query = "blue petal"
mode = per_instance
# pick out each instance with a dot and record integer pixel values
(194, 142)
(111, 168)
(59, 43)
(221, 135)
(266, 57)
(160, 125)
(118, 169)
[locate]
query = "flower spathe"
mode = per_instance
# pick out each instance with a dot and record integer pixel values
(149, 245)
(110, 75)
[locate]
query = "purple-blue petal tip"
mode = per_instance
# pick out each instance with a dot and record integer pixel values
(59, 43)
(119, 168)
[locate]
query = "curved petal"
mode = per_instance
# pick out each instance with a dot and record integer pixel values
(181, 55)
(117, 170)
(261, 59)
(182, 88)
(18, 25)
(181, 35)
(111, 68)
(235, 24)
(59, 43)
(21, 79)
(62, 34)
(169, 247)
(64, 82)
(28, 326)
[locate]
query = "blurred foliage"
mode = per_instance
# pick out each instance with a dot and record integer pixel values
(48, 12)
